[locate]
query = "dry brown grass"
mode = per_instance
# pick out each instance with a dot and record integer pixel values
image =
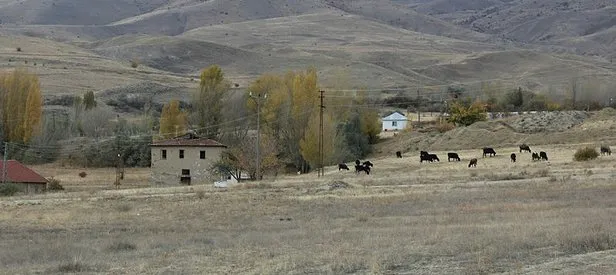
(436, 218)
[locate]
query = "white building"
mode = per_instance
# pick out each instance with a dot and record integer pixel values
(394, 121)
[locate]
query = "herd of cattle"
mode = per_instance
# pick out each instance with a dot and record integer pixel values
(452, 156)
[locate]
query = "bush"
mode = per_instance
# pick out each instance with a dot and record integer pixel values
(465, 115)
(445, 127)
(121, 246)
(82, 174)
(134, 63)
(19, 49)
(54, 185)
(585, 154)
(8, 189)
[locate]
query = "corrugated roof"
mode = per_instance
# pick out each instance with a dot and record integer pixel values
(193, 142)
(18, 173)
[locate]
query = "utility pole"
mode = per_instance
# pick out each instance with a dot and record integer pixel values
(257, 100)
(321, 141)
(4, 164)
(418, 110)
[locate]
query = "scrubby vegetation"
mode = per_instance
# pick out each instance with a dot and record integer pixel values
(585, 154)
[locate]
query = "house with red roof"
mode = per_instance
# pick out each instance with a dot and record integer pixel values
(26, 178)
(186, 159)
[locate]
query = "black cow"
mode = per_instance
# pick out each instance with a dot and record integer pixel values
(342, 166)
(488, 151)
(543, 156)
(473, 163)
(605, 150)
(368, 163)
(423, 153)
(513, 157)
(399, 154)
(359, 168)
(433, 157)
(357, 162)
(425, 157)
(453, 156)
(536, 156)
(524, 147)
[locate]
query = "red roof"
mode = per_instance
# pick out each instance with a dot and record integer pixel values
(18, 173)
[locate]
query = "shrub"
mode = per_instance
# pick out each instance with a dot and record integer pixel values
(8, 189)
(19, 49)
(445, 127)
(465, 115)
(585, 154)
(54, 185)
(82, 174)
(121, 246)
(134, 63)
(74, 267)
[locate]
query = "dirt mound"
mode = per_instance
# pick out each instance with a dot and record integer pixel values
(547, 121)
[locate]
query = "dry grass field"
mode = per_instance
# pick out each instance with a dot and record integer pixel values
(404, 218)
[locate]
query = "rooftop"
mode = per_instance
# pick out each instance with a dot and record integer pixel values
(18, 173)
(189, 140)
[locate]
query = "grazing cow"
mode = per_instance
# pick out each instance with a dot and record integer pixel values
(536, 156)
(513, 157)
(453, 156)
(433, 157)
(488, 151)
(473, 163)
(368, 163)
(357, 162)
(524, 147)
(342, 166)
(605, 150)
(425, 157)
(399, 154)
(543, 156)
(359, 168)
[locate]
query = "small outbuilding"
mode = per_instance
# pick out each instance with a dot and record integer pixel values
(394, 121)
(17, 173)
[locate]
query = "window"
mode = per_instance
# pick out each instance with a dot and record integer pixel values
(185, 172)
(185, 177)
(202, 155)
(163, 154)
(394, 123)
(181, 154)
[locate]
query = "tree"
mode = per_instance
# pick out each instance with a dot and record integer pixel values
(466, 115)
(309, 144)
(207, 102)
(21, 105)
(89, 102)
(172, 120)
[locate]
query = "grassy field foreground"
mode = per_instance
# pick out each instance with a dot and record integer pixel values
(405, 218)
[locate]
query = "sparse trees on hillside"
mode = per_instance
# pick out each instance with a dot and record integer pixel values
(21, 105)
(464, 114)
(207, 103)
(89, 102)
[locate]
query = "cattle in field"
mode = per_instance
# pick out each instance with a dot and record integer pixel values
(433, 157)
(473, 163)
(535, 156)
(399, 154)
(368, 163)
(342, 166)
(524, 148)
(425, 157)
(487, 151)
(543, 156)
(453, 156)
(605, 150)
(359, 168)
(513, 157)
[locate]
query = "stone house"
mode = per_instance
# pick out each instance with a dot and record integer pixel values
(186, 159)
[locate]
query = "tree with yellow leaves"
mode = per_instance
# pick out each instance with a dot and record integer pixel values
(172, 120)
(21, 105)
(309, 144)
(207, 102)
(466, 115)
